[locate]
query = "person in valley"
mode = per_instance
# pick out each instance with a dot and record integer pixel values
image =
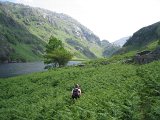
(76, 92)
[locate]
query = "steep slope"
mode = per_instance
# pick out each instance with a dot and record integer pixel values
(38, 25)
(144, 36)
(17, 43)
(143, 39)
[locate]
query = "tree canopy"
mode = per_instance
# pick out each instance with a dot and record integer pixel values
(56, 53)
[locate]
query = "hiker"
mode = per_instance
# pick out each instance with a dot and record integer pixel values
(76, 92)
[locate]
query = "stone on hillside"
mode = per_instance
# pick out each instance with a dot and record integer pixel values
(147, 56)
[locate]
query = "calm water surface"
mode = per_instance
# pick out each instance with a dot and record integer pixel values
(14, 69)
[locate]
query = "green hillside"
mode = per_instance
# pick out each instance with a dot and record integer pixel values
(123, 56)
(144, 39)
(113, 91)
(17, 43)
(22, 25)
(111, 88)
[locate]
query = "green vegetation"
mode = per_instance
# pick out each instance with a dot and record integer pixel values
(144, 39)
(23, 25)
(152, 45)
(55, 53)
(17, 43)
(132, 52)
(111, 91)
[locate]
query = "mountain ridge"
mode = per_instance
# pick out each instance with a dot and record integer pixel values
(143, 39)
(42, 23)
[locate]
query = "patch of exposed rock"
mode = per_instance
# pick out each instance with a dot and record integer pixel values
(147, 56)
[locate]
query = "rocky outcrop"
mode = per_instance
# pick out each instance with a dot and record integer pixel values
(147, 56)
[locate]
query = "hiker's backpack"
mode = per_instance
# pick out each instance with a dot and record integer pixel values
(76, 91)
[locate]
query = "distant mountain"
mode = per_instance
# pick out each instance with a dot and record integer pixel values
(24, 32)
(121, 41)
(108, 48)
(145, 38)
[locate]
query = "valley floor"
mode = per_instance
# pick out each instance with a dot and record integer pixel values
(109, 92)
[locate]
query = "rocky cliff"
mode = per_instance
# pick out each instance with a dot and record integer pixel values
(147, 56)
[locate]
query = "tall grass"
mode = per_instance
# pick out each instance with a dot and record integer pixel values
(109, 92)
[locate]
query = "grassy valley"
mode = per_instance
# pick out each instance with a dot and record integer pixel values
(111, 91)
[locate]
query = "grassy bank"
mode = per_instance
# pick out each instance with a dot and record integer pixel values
(109, 92)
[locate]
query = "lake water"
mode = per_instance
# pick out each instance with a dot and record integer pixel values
(14, 69)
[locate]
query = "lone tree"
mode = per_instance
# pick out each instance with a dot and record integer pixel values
(56, 54)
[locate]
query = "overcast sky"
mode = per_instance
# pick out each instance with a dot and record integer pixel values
(108, 19)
